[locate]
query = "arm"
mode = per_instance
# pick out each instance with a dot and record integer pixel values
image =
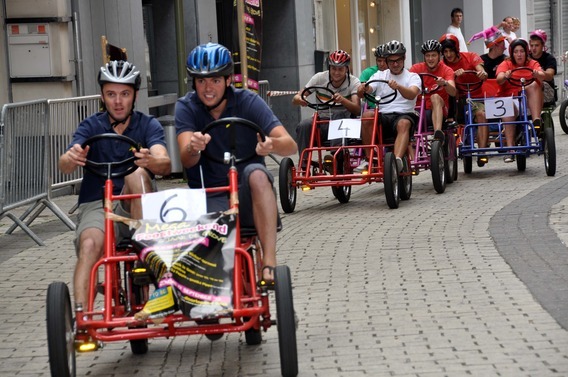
(75, 156)
(278, 141)
(481, 71)
(407, 92)
(155, 159)
(190, 146)
(297, 99)
(353, 104)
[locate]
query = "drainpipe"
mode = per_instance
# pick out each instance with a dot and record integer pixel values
(180, 47)
(78, 50)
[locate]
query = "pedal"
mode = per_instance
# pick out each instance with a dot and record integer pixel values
(328, 163)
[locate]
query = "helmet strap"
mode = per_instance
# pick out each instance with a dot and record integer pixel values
(123, 121)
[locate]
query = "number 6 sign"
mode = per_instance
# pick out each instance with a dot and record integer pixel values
(174, 205)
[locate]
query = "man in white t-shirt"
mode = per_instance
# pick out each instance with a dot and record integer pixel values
(339, 81)
(399, 117)
(455, 27)
(507, 26)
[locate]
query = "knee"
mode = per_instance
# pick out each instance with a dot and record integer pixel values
(258, 181)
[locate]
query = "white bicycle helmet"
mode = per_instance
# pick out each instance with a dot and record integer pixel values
(120, 72)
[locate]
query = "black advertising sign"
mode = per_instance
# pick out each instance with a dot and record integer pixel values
(251, 24)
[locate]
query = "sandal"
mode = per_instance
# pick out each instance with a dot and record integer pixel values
(269, 284)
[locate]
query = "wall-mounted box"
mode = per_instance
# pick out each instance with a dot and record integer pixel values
(29, 50)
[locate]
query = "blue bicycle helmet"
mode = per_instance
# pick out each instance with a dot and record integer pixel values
(209, 60)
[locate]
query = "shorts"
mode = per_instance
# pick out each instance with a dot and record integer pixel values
(390, 120)
(220, 202)
(92, 215)
(475, 107)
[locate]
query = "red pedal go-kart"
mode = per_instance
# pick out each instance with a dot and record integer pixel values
(127, 283)
(332, 165)
(440, 158)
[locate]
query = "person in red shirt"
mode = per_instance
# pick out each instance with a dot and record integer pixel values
(437, 104)
(460, 62)
(519, 57)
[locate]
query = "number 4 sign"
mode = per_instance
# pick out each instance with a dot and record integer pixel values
(344, 128)
(174, 205)
(499, 107)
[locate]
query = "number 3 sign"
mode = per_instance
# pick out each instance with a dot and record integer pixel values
(499, 107)
(174, 205)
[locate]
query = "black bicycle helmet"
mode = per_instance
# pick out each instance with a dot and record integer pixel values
(209, 60)
(431, 45)
(380, 51)
(394, 47)
(119, 72)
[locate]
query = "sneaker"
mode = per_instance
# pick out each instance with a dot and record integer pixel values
(509, 158)
(399, 165)
(363, 166)
(439, 135)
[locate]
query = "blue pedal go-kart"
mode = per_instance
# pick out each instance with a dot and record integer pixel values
(529, 139)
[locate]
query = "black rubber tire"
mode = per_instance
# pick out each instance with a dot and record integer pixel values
(288, 192)
(405, 181)
(253, 337)
(450, 154)
(438, 166)
(521, 162)
(467, 164)
(60, 331)
(390, 181)
(342, 193)
(563, 114)
(549, 148)
(285, 321)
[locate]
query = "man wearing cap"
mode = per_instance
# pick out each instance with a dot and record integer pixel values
(547, 62)
(496, 45)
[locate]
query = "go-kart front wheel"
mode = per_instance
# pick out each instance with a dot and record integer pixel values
(563, 116)
(438, 166)
(60, 331)
(343, 193)
(286, 187)
(390, 181)
(450, 155)
(405, 180)
(285, 321)
(467, 164)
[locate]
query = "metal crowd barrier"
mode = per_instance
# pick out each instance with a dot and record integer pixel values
(64, 116)
(24, 170)
(263, 89)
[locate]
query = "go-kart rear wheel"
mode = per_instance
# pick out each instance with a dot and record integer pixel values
(390, 181)
(60, 331)
(549, 148)
(467, 164)
(563, 116)
(343, 193)
(285, 184)
(438, 166)
(253, 336)
(285, 321)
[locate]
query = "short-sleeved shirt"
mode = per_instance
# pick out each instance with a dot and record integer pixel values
(347, 88)
(192, 115)
(368, 72)
(468, 61)
(400, 104)
(143, 129)
(490, 65)
(548, 61)
(507, 89)
(442, 71)
(458, 33)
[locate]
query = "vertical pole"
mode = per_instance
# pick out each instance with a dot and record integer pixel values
(242, 41)
(180, 47)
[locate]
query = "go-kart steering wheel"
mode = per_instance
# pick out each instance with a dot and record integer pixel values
(314, 105)
(231, 134)
(519, 76)
(380, 100)
(469, 86)
(126, 166)
(434, 88)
